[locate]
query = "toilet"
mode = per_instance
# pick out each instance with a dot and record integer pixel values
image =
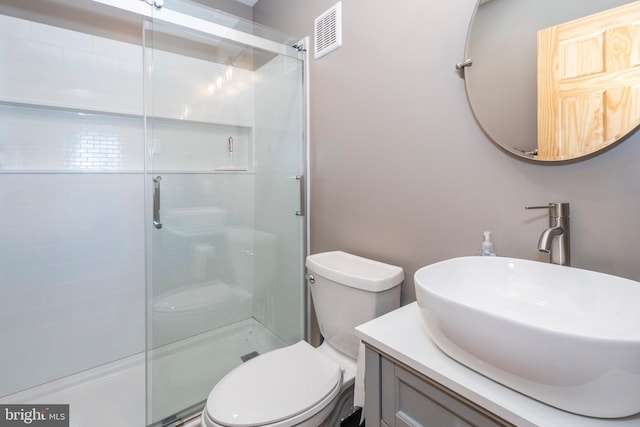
(196, 309)
(304, 385)
(209, 303)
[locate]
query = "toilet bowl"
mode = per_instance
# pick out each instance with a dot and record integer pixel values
(193, 309)
(208, 304)
(294, 385)
(300, 384)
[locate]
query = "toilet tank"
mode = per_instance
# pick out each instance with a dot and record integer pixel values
(348, 290)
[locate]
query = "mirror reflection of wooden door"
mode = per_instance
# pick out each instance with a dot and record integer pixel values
(588, 82)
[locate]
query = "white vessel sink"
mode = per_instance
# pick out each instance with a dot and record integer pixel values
(567, 337)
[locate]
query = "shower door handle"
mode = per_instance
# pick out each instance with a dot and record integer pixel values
(156, 202)
(301, 211)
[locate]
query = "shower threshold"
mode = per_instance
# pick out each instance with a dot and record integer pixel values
(181, 375)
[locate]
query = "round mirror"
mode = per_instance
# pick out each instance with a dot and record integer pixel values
(554, 80)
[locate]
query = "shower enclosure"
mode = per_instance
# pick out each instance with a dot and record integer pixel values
(152, 232)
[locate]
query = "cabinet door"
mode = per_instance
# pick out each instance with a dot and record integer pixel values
(419, 403)
(398, 396)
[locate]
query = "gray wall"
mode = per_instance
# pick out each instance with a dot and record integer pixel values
(400, 171)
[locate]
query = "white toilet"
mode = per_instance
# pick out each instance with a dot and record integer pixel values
(299, 384)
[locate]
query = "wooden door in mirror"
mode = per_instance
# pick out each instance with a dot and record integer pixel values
(588, 82)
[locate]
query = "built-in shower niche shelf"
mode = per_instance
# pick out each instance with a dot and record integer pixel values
(191, 146)
(56, 139)
(71, 107)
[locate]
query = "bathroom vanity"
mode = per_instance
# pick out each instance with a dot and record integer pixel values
(410, 381)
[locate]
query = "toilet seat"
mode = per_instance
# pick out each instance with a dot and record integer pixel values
(199, 297)
(283, 387)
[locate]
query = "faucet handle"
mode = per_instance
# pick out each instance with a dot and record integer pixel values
(556, 209)
(549, 206)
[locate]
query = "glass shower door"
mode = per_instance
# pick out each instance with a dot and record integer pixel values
(225, 238)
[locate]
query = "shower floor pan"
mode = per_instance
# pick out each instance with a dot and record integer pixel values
(182, 374)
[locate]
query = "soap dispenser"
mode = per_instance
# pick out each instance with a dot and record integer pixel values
(487, 245)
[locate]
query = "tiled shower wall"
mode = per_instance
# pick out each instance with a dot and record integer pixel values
(37, 139)
(46, 65)
(72, 279)
(71, 202)
(71, 274)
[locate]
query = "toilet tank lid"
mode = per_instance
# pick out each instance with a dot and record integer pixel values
(355, 271)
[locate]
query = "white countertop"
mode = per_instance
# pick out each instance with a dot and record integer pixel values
(402, 335)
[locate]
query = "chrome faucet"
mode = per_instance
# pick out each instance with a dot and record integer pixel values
(555, 239)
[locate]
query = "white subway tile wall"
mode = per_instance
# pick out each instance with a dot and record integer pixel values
(279, 152)
(72, 280)
(45, 65)
(71, 274)
(49, 139)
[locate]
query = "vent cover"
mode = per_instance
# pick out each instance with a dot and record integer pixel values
(328, 29)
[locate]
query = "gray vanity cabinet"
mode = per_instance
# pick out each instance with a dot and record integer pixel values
(399, 396)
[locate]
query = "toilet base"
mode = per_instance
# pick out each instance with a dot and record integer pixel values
(343, 407)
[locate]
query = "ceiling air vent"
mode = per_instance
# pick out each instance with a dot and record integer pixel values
(328, 28)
